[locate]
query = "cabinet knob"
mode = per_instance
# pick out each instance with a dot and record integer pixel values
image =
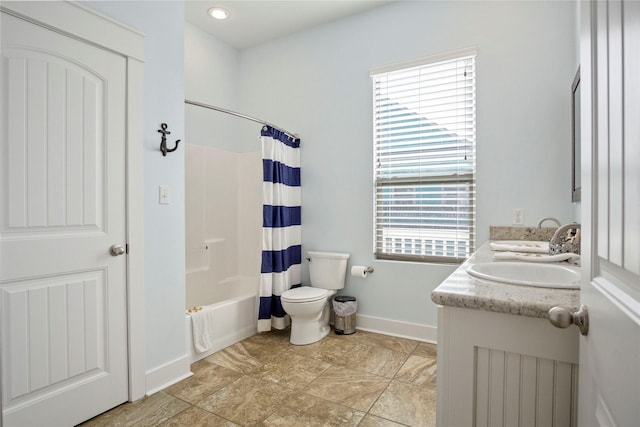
(561, 317)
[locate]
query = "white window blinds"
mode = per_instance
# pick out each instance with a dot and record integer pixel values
(424, 166)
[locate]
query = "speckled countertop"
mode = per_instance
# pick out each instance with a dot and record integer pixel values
(464, 291)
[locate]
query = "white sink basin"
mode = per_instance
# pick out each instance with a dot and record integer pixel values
(528, 274)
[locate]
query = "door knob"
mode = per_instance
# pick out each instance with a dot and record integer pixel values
(116, 250)
(561, 317)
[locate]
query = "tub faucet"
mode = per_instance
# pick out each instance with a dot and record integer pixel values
(565, 239)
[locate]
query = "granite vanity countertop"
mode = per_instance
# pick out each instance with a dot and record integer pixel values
(464, 291)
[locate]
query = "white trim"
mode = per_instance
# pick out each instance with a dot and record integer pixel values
(170, 373)
(135, 230)
(397, 328)
(81, 23)
(418, 62)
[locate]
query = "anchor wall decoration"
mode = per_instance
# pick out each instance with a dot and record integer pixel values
(163, 142)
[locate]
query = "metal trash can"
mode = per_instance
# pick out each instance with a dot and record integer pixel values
(345, 308)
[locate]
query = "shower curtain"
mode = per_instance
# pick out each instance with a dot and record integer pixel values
(281, 236)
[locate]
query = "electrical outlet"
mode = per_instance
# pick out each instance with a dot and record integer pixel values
(164, 195)
(517, 216)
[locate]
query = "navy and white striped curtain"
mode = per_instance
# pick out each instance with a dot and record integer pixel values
(281, 234)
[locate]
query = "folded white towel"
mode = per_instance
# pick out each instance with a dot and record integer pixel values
(524, 246)
(571, 258)
(203, 329)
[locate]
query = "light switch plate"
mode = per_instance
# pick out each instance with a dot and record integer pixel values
(164, 195)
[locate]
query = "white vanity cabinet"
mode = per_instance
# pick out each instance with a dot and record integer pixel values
(500, 361)
(497, 369)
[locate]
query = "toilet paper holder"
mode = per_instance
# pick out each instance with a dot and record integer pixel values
(361, 271)
(368, 269)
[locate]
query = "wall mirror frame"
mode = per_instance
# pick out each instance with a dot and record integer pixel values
(576, 182)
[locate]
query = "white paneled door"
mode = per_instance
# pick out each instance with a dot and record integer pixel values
(62, 195)
(610, 352)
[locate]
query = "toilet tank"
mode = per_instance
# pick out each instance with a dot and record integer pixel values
(327, 269)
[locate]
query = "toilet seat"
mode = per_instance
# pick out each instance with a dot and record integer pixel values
(304, 294)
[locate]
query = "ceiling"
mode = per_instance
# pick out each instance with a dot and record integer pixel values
(253, 22)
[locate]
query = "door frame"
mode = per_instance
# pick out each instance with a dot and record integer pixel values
(88, 26)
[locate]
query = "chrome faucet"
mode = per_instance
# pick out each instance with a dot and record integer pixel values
(549, 218)
(565, 239)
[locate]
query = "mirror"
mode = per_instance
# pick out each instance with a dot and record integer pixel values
(576, 183)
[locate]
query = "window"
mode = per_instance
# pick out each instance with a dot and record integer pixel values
(424, 158)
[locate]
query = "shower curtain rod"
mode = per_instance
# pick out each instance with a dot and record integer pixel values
(244, 116)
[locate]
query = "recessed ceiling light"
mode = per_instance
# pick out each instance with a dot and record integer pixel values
(218, 13)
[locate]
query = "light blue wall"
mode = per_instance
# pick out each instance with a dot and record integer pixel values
(317, 83)
(211, 77)
(162, 23)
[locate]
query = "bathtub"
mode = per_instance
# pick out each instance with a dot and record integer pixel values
(235, 302)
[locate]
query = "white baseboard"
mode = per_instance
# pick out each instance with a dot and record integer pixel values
(168, 374)
(397, 328)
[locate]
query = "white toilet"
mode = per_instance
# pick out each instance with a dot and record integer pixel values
(308, 306)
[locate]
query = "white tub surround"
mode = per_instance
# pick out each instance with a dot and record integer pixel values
(232, 304)
(223, 214)
(500, 361)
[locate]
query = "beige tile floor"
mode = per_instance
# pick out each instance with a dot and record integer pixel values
(364, 379)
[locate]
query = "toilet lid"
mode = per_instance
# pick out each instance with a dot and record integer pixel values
(304, 294)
